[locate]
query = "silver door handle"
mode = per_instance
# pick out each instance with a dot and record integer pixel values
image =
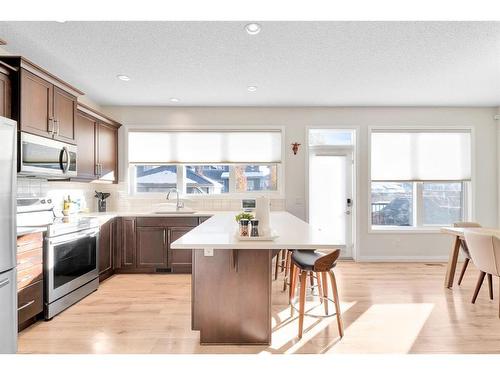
(51, 125)
(4, 282)
(68, 161)
(348, 212)
(26, 305)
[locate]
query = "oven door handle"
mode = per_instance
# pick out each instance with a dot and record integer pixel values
(72, 237)
(64, 168)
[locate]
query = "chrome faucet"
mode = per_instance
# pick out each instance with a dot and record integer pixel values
(179, 204)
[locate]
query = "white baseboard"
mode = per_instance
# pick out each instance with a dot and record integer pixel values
(402, 258)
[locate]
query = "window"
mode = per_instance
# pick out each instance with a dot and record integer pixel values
(207, 179)
(155, 178)
(256, 178)
(204, 162)
(419, 178)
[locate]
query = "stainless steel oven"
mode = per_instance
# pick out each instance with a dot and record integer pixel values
(39, 156)
(71, 267)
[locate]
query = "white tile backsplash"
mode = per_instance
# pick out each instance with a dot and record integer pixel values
(119, 200)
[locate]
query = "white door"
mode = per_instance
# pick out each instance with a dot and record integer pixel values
(330, 195)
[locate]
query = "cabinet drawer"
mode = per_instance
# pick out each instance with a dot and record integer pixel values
(29, 276)
(29, 259)
(29, 302)
(29, 242)
(167, 221)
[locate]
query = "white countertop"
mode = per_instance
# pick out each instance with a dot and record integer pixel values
(218, 232)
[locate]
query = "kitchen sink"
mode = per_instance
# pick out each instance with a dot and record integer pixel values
(171, 208)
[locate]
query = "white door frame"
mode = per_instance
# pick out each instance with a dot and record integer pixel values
(354, 149)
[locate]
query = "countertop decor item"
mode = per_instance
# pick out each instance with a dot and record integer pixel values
(101, 200)
(255, 228)
(244, 215)
(262, 210)
(243, 228)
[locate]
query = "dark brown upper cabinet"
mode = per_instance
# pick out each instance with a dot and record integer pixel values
(42, 104)
(5, 92)
(97, 140)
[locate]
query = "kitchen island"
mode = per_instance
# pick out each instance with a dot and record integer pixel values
(231, 279)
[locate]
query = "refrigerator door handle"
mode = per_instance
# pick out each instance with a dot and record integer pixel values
(4, 283)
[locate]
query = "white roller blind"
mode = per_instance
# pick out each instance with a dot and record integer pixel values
(421, 156)
(204, 147)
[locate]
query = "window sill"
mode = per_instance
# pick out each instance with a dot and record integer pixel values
(406, 230)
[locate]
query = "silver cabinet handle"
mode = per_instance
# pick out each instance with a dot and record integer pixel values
(26, 305)
(57, 126)
(51, 125)
(4, 283)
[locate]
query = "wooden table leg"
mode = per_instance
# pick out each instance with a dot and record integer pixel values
(452, 263)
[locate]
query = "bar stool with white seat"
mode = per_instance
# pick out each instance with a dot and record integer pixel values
(312, 263)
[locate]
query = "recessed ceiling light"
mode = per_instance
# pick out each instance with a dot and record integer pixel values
(174, 100)
(252, 28)
(252, 88)
(123, 77)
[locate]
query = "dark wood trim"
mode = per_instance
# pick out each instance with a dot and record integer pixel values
(4, 65)
(98, 115)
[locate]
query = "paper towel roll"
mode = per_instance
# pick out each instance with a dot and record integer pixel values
(262, 209)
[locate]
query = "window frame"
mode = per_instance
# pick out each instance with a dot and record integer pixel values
(418, 208)
(232, 194)
(468, 186)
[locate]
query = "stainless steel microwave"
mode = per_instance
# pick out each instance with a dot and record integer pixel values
(39, 156)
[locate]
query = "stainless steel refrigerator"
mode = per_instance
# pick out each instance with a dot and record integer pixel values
(8, 282)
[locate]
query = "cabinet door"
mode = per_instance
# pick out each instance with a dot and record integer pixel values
(180, 259)
(36, 105)
(85, 135)
(151, 247)
(128, 253)
(64, 115)
(106, 240)
(5, 95)
(107, 152)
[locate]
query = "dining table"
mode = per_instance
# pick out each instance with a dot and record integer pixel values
(459, 235)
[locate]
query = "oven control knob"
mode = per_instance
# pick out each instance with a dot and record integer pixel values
(49, 201)
(42, 201)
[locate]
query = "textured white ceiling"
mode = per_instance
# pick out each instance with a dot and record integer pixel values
(291, 63)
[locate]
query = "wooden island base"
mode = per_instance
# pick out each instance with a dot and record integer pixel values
(231, 296)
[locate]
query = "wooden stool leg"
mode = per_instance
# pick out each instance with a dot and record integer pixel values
(462, 273)
(490, 285)
(320, 287)
(293, 283)
(478, 285)
(277, 265)
(337, 303)
(311, 280)
(287, 269)
(325, 290)
(302, 300)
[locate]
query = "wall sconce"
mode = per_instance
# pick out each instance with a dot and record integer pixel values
(295, 147)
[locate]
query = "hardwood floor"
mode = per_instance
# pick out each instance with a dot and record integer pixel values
(387, 308)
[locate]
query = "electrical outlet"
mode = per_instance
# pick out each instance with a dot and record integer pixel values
(208, 252)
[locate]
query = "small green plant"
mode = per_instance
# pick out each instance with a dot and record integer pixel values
(243, 215)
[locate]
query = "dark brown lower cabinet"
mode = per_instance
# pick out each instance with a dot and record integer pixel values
(128, 243)
(180, 260)
(152, 247)
(29, 278)
(107, 245)
(145, 244)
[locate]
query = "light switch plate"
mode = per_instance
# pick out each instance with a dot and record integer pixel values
(208, 252)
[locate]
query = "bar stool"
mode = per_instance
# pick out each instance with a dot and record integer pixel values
(314, 263)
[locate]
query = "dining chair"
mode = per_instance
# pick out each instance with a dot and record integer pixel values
(463, 245)
(484, 249)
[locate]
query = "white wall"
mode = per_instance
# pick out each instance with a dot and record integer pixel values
(370, 246)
